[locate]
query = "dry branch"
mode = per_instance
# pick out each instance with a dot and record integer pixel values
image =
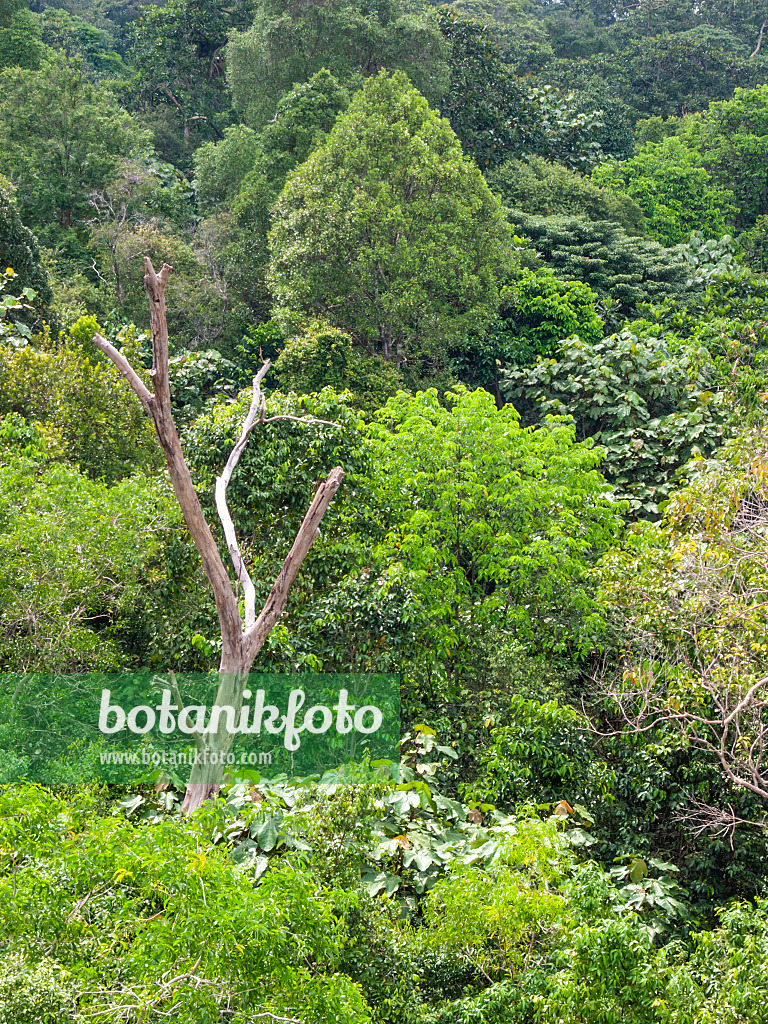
(117, 357)
(705, 674)
(700, 817)
(222, 483)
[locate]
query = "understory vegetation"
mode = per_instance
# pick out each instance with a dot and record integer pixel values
(511, 259)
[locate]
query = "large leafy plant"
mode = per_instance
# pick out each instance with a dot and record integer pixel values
(539, 311)
(648, 406)
(13, 306)
(487, 520)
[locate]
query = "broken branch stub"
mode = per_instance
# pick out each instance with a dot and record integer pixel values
(241, 639)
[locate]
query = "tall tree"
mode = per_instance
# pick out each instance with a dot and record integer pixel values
(77, 554)
(388, 230)
(177, 56)
(20, 42)
(672, 75)
(487, 104)
(490, 525)
(353, 39)
(238, 179)
(61, 138)
(735, 148)
(498, 114)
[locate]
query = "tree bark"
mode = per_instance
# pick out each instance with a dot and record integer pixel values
(240, 642)
(759, 40)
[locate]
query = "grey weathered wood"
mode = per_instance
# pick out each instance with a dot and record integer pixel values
(241, 641)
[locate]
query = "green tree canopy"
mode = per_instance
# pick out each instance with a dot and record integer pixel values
(75, 35)
(21, 41)
(319, 356)
(61, 138)
(7, 9)
(491, 524)
(388, 230)
(487, 103)
(76, 555)
(673, 189)
(82, 402)
(735, 148)
(304, 117)
(177, 57)
(539, 311)
(547, 189)
(239, 179)
(221, 166)
(497, 113)
(615, 265)
(670, 73)
(289, 42)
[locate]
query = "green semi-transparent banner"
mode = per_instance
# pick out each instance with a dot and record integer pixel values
(61, 729)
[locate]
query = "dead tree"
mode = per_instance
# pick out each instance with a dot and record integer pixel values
(702, 668)
(716, 711)
(241, 638)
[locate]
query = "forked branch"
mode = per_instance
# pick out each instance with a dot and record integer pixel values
(222, 483)
(255, 417)
(308, 533)
(158, 407)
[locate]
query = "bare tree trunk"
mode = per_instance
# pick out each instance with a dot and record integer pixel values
(759, 39)
(240, 641)
(207, 771)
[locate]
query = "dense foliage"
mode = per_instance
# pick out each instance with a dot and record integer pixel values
(511, 259)
(389, 231)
